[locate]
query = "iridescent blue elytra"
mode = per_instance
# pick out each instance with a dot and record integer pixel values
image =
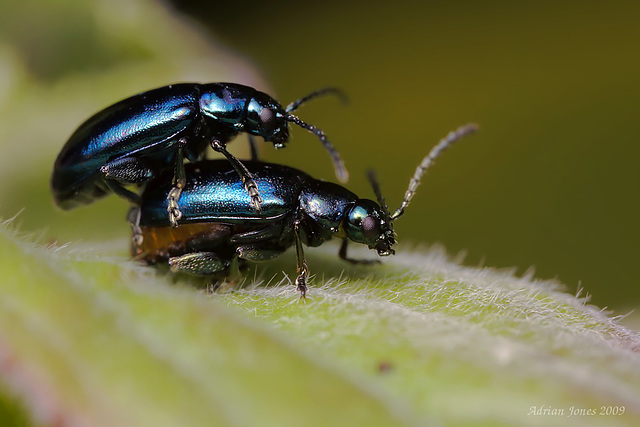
(130, 141)
(218, 224)
(213, 193)
(135, 128)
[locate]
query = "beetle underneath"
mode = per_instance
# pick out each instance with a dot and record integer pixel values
(219, 226)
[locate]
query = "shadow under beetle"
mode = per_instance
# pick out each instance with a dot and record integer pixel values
(132, 140)
(219, 225)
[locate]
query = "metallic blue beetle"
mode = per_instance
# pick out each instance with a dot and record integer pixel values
(130, 141)
(219, 226)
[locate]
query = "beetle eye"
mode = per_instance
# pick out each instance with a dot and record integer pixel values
(370, 228)
(268, 118)
(368, 224)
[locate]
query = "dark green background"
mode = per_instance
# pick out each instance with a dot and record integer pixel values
(552, 179)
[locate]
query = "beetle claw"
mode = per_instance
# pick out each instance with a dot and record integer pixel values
(174, 216)
(172, 206)
(256, 202)
(301, 284)
(252, 189)
(136, 235)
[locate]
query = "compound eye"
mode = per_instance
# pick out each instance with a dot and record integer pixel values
(370, 228)
(368, 224)
(268, 119)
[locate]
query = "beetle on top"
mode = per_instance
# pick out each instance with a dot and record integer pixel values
(133, 140)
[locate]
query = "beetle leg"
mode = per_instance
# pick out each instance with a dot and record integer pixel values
(302, 270)
(254, 148)
(179, 181)
(252, 253)
(245, 175)
(235, 274)
(127, 170)
(252, 237)
(198, 263)
(343, 255)
(122, 192)
(133, 216)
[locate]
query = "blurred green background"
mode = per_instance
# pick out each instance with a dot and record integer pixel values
(550, 182)
(552, 179)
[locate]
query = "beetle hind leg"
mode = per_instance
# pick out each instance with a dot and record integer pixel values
(199, 263)
(127, 170)
(118, 189)
(245, 175)
(252, 253)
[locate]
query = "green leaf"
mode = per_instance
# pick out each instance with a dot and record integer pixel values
(97, 340)
(89, 337)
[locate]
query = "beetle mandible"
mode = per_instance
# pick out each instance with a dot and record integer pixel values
(132, 140)
(297, 209)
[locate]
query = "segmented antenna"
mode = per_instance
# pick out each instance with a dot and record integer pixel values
(373, 179)
(338, 164)
(427, 162)
(327, 90)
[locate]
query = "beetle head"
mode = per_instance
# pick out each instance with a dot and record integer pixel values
(267, 118)
(367, 222)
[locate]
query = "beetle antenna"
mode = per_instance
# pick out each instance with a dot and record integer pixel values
(427, 162)
(327, 90)
(338, 164)
(373, 179)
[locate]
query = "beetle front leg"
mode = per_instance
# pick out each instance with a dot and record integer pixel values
(245, 175)
(343, 256)
(302, 270)
(179, 181)
(254, 148)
